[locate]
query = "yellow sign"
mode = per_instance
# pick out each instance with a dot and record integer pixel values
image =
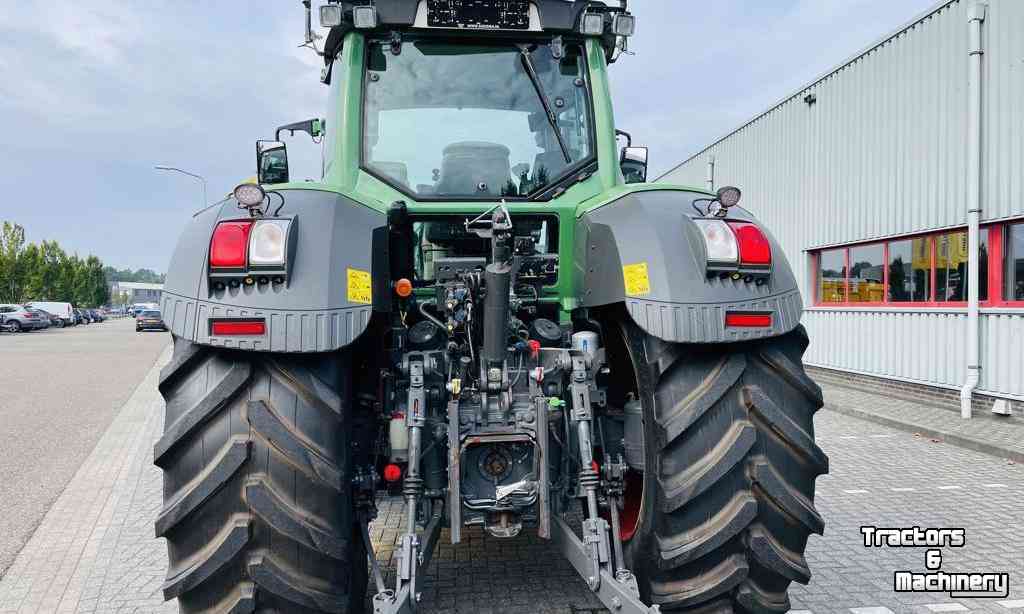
(638, 283)
(360, 287)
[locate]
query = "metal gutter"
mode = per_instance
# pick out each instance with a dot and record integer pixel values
(975, 16)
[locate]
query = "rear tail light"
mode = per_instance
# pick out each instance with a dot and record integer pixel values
(719, 240)
(230, 245)
(230, 328)
(268, 243)
(754, 247)
(748, 320)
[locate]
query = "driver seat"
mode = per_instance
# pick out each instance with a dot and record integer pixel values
(468, 165)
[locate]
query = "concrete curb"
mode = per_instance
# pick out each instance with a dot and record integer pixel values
(969, 443)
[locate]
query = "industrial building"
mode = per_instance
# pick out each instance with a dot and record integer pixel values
(137, 292)
(876, 179)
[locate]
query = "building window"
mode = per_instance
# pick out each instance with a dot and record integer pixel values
(910, 263)
(951, 266)
(1014, 271)
(867, 273)
(832, 276)
(929, 270)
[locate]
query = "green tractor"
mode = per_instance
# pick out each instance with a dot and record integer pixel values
(483, 308)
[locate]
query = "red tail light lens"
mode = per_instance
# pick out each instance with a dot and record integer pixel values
(238, 327)
(230, 244)
(754, 247)
(748, 320)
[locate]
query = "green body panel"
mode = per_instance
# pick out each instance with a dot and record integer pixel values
(343, 175)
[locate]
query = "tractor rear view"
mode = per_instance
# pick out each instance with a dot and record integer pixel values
(481, 307)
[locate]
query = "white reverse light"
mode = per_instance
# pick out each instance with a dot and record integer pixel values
(624, 25)
(330, 15)
(593, 24)
(268, 242)
(719, 240)
(364, 17)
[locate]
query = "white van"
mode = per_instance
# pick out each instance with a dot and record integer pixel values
(64, 311)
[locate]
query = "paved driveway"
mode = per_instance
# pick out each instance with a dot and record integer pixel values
(95, 550)
(59, 391)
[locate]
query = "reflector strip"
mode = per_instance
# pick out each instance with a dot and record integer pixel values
(748, 320)
(238, 327)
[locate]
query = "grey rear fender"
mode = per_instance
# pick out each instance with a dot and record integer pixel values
(681, 303)
(316, 310)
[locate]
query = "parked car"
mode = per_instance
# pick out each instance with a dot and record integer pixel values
(18, 319)
(82, 316)
(97, 315)
(48, 318)
(63, 311)
(149, 319)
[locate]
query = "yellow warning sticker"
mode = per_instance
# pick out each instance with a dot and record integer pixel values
(637, 281)
(360, 287)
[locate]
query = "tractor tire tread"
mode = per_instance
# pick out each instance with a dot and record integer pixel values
(735, 461)
(255, 453)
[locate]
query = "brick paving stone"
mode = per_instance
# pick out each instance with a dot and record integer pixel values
(95, 551)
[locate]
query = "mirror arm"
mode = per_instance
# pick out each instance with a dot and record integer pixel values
(314, 127)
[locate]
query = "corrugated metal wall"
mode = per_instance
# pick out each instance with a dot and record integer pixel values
(880, 153)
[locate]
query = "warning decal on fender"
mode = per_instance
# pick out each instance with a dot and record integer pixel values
(359, 287)
(637, 281)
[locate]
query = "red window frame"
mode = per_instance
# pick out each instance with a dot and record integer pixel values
(996, 271)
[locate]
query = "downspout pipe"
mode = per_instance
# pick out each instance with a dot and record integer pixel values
(975, 16)
(710, 179)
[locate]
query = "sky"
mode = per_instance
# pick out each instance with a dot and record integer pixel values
(95, 94)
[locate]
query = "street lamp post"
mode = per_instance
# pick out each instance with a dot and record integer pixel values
(193, 175)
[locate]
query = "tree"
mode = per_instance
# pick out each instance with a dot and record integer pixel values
(45, 272)
(96, 281)
(28, 269)
(147, 276)
(12, 242)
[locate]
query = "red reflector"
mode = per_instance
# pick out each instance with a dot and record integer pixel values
(230, 244)
(748, 320)
(754, 246)
(238, 327)
(392, 473)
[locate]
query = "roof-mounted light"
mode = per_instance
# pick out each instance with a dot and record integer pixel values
(364, 17)
(330, 15)
(592, 24)
(624, 24)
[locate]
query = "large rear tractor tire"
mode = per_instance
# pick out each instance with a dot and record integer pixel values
(257, 483)
(718, 521)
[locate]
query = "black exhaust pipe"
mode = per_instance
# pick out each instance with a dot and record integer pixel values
(498, 279)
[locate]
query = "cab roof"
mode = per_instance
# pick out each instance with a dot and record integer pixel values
(557, 17)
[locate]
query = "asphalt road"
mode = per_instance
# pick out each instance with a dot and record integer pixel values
(59, 390)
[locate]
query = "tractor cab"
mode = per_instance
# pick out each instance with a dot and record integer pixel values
(507, 100)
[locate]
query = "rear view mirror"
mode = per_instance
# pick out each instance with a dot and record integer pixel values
(271, 162)
(634, 164)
